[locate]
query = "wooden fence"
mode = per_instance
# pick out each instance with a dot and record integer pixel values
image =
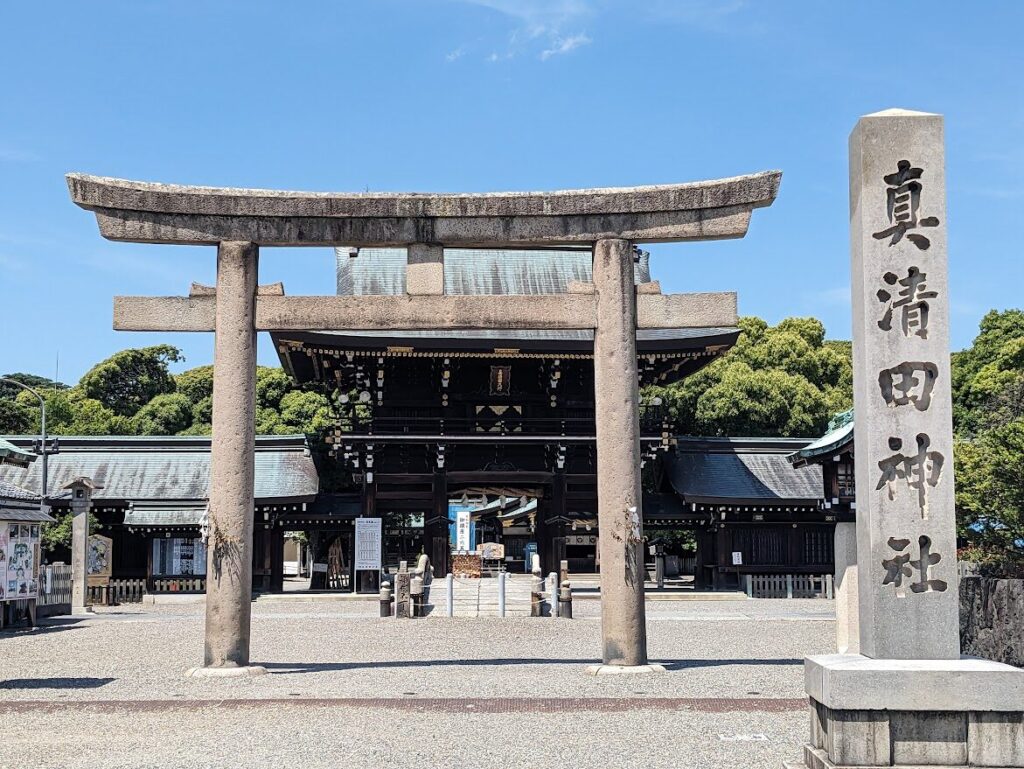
(117, 591)
(179, 585)
(789, 585)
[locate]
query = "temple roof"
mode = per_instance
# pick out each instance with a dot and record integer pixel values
(475, 271)
(742, 471)
(840, 433)
(381, 271)
(21, 505)
(167, 467)
(12, 455)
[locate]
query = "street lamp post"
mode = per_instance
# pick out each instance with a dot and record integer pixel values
(43, 450)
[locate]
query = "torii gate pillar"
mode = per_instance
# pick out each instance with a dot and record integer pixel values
(232, 462)
(623, 629)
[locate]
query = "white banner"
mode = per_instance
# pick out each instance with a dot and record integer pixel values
(368, 544)
(462, 543)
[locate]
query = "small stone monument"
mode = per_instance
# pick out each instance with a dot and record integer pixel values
(908, 698)
(81, 503)
(403, 593)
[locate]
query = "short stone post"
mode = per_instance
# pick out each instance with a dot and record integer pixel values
(385, 599)
(536, 595)
(908, 698)
(501, 594)
(232, 463)
(416, 596)
(565, 601)
(623, 629)
(449, 591)
(847, 632)
(81, 503)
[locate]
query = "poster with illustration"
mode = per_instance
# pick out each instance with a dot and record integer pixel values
(22, 553)
(4, 541)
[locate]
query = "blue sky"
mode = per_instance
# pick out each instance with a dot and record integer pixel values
(475, 95)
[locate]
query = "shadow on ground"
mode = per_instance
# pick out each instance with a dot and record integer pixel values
(286, 668)
(55, 683)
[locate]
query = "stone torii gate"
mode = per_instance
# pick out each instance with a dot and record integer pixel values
(239, 221)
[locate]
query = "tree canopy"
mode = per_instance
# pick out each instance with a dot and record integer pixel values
(128, 380)
(988, 416)
(777, 380)
(133, 392)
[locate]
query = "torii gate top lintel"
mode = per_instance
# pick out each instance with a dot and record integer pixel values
(148, 212)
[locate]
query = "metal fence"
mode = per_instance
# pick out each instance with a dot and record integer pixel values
(790, 585)
(55, 584)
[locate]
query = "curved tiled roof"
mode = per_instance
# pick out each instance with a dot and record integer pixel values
(168, 467)
(742, 470)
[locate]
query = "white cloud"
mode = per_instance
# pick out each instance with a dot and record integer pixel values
(458, 53)
(13, 155)
(565, 45)
(539, 24)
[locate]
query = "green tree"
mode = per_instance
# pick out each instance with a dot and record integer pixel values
(15, 418)
(988, 377)
(990, 487)
(71, 412)
(271, 386)
(196, 383)
(166, 414)
(129, 379)
(776, 380)
(305, 412)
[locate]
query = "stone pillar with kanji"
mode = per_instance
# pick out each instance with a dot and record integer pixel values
(908, 698)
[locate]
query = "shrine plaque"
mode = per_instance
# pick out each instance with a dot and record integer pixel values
(491, 551)
(906, 529)
(100, 560)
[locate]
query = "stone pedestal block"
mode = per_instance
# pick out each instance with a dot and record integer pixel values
(913, 713)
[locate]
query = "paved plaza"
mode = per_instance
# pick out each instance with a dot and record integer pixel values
(348, 689)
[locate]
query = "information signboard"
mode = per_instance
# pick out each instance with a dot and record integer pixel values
(368, 544)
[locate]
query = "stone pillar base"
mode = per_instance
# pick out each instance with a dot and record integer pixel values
(235, 671)
(868, 713)
(81, 611)
(623, 670)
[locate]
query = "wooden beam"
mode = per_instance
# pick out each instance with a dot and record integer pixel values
(404, 313)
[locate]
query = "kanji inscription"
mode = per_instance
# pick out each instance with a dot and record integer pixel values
(901, 565)
(918, 471)
(910, 302)
(908, 383)
(902, 202)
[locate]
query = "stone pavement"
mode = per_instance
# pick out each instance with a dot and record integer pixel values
(349, 689)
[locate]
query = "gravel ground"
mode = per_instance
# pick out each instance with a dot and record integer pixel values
(110, 690)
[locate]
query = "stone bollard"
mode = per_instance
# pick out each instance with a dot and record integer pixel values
(565, 601)
(416, 593)
(385, 599)
(553, 595)
(449, 589)
(536, 597)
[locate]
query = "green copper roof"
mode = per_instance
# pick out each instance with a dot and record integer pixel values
(12, 455)
(840, 432)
